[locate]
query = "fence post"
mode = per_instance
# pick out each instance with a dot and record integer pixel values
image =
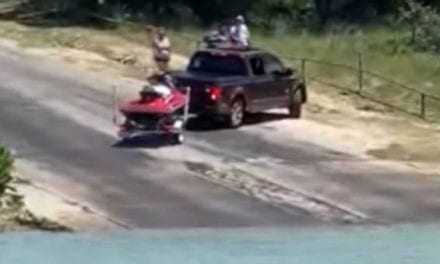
(360, 73)
(422, 105)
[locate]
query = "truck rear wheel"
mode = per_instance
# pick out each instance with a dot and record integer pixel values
(236, 116)
(177, 139)
(295, 107)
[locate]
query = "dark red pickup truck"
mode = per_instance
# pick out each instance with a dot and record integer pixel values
(229, 83)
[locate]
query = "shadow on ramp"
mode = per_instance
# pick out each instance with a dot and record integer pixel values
(146, 142)
(259, 118)
(204, 124)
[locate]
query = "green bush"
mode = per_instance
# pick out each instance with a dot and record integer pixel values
(280, 17)
(423, 22)
(6, 164)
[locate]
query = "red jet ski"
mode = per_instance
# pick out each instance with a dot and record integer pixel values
(160, 109)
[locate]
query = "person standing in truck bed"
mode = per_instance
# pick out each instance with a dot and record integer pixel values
(239, 32)
(218, 37)
(161, 49)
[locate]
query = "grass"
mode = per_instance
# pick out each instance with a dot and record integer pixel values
(375, 46)
(380, 54)
(379, 48)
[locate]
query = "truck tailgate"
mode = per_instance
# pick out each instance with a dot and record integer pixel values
(198, 89)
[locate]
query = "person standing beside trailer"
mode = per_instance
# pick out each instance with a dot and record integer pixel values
(162, 49)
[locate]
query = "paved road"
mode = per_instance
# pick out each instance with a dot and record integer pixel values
(130, 186)
(384, 193)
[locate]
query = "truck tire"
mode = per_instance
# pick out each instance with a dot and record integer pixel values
(178, 139)
(237, 112)
(295, 106)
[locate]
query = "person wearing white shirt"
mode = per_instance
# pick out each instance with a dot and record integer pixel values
(240, 32)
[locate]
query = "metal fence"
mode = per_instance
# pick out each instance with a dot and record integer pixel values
(369, 85)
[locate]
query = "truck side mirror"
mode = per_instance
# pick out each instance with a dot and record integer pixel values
(288, 72)
(283, 73)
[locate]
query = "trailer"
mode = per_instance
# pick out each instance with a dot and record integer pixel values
(161, 109)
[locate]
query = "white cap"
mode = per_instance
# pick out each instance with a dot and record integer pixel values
(240, 18)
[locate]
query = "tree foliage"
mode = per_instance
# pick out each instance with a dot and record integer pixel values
(419, 17)
(207, 11)
(423, 22)
(6, 163)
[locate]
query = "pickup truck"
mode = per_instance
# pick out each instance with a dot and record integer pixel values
(230, 83)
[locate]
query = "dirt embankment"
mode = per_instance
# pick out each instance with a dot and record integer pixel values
(16, 216)
(29, 206)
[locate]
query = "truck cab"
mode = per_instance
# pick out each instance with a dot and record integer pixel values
(229, 83)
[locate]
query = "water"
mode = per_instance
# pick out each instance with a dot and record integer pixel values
(408, 244)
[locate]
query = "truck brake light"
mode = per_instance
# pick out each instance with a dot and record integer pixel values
(215, 93)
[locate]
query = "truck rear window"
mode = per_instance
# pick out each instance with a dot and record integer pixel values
(205, 62)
